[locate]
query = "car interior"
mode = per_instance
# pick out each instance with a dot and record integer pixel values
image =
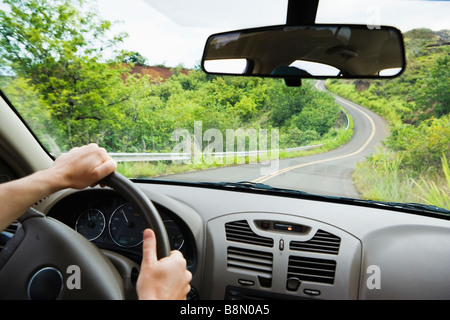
(241, 242)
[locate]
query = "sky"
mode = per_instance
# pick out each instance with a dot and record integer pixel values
(173, 32)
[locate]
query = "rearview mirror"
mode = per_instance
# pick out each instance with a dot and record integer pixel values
(316, 51)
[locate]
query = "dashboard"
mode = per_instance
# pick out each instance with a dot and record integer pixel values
(254, 245)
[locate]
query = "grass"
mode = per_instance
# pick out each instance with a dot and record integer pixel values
(382, 178)
(436, 193)
(141, 169)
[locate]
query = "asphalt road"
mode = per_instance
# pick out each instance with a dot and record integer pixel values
(328, 173)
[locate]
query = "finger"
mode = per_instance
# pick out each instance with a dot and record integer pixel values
(149, 247)
(187, 290)
(92, 145)
(175, 253)
(105, 168)
(102, 150)
(94, 153)
(103, 153)
(188, 278)
(97, 184)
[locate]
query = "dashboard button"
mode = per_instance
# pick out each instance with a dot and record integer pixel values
(292, 284)
(311, 292)
(247, 283)
(281, 245)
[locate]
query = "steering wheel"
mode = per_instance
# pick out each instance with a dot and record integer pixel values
(46, 259)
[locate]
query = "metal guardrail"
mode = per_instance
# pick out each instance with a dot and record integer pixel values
(144, 157)
(149, 157)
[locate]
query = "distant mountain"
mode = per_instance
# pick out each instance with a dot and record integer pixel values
(428, 34)
(419, 41)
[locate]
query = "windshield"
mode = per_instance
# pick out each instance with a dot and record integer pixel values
(126, 75)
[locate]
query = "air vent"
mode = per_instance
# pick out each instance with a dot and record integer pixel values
(12, 228)
(239, 231)
(312, 270)
(257, 262)
(322, 242)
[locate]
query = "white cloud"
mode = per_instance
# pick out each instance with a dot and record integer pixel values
(173, 32)
(402, 14)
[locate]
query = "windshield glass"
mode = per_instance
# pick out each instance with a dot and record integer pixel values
(126, 75)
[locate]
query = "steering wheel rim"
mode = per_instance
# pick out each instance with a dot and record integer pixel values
(37, 261)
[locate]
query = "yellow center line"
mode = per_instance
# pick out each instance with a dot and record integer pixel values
(277, 173)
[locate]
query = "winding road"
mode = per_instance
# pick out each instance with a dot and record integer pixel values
(328, 173)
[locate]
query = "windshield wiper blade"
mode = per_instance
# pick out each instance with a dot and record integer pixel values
(249, 185)
(409, 205)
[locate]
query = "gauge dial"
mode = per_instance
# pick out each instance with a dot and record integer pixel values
(90, 224)
(126, 226)
(175, 236)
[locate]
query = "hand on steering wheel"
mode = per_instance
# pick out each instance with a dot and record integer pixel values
(34, 263)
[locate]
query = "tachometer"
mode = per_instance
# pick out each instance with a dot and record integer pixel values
(126, 226)
(90, 224)
(176, 238)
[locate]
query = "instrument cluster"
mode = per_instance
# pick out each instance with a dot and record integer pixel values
(110, 222)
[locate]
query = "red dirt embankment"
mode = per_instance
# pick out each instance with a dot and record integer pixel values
(159, 73)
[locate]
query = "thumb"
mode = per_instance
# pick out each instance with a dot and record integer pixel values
(149, 247)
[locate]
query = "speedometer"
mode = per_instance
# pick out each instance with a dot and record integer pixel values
(126, 226)
(90, 224)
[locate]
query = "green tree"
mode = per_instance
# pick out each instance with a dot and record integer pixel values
(285, 102)
(132, 57)
(58, 46)
(52, 61)
(422, 147)
(434, 96)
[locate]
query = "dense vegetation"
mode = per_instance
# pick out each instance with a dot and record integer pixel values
(54, 72)
(413, 164)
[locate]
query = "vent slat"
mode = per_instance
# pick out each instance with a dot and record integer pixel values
(240, 231)
(251, 260)
(322, 242)
(250, 253)
(249, 266)
(258, 262)
(311, 269)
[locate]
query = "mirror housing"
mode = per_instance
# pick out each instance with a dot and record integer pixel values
(307, 51)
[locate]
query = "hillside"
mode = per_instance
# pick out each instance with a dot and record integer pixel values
(159, 73)
(415, 156)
